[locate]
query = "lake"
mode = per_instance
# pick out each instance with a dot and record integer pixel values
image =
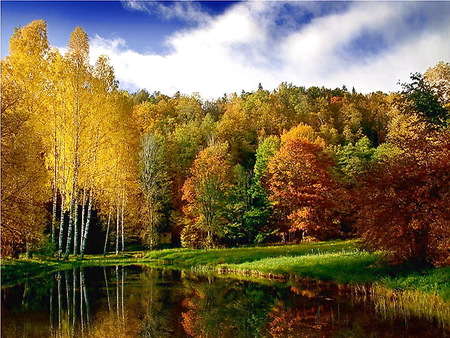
(139, 301)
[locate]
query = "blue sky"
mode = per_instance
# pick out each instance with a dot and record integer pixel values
(218, 47)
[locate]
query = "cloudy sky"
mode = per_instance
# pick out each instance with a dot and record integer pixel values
(218, 47)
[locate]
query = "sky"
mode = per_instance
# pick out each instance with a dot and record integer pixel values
(218, 47)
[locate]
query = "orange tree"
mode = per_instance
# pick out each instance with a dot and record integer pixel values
(206, 193)
(302, 188)
(404, 201)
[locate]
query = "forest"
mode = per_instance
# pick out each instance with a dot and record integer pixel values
(90, 168)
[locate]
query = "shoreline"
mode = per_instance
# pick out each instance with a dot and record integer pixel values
(340, 262)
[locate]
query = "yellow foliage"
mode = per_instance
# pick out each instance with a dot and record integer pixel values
(303, 131)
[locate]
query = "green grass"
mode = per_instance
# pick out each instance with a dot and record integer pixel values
(186, 258)
(14, 271)
(334, 261)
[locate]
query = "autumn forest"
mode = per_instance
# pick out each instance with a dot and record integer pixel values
(90, 168)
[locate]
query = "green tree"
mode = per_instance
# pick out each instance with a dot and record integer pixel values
(353, 159)
(259, 215)
(154, 181)
(421, 99)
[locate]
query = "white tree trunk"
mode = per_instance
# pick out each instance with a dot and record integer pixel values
(123, 236)
(73, 203)
(88, 221)
(61, 226)
(107, 232)
(117, 229)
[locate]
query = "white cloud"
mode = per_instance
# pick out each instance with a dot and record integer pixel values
(185, 10)
(244, 47)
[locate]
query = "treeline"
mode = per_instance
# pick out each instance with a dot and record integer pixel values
(262, 166)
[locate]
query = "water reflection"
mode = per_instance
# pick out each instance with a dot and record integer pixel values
(144, 302)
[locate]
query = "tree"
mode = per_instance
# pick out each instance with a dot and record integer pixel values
(258, 217)
(239, 229)
(353, 159)
(78, 76)
(302, 188)
(154, 181)
(421, 99)
(24, 183)
(438, 78)
(205, 193)
(403, 201)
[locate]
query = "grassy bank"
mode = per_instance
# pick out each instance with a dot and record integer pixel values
(14, 271)
(336, 261)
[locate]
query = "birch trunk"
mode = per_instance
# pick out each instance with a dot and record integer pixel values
(107, 232)
(77, 225)
(117, 229)
(55, 202)
(85, 230)
(61, 226)
(73, 198)
(73, 202)
(88, 221)
(83, 216)
(55, 179)
(123, 236)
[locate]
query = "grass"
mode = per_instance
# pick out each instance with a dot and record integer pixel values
(186, 258)
(409, 303)
(14, 271)
(335, 261)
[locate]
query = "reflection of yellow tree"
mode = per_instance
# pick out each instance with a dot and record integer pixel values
(108, 324)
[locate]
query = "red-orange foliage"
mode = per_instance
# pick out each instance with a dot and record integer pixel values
(302, 187)
(404, 204)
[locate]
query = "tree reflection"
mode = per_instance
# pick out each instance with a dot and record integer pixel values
(224, 308)
(146, 302)
(310, 319)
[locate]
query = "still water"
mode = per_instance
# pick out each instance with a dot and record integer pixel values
(135, 301)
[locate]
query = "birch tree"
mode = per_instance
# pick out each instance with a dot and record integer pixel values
(154, 183)
(24, 181)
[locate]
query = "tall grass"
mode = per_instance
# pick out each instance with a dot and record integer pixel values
(410, 303)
